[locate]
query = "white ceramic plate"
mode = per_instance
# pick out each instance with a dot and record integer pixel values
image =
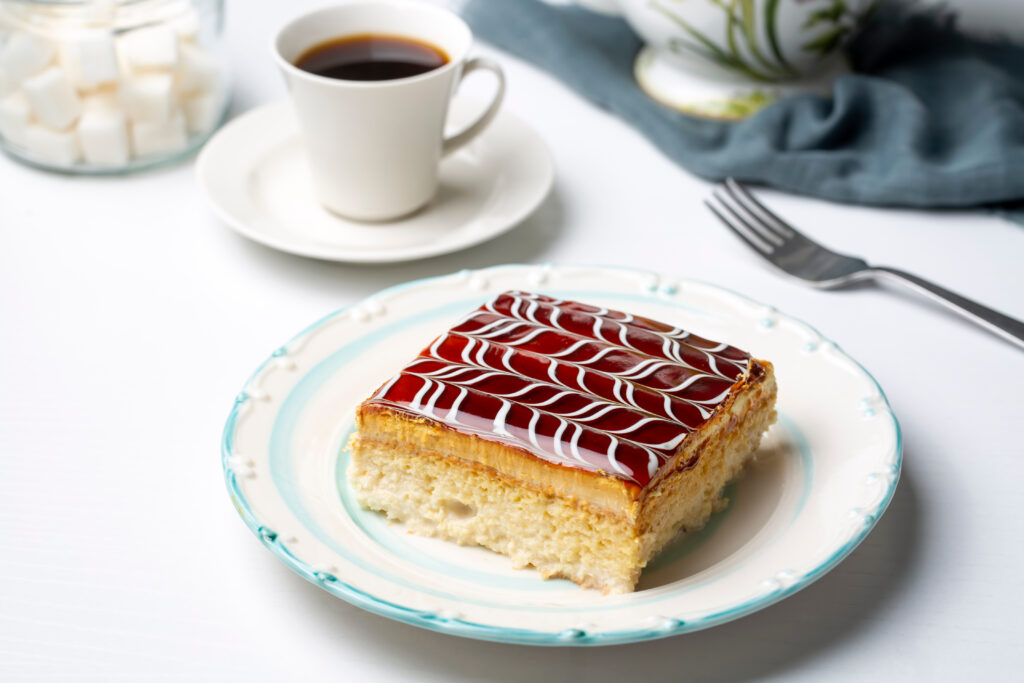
(823, 475)
(254, 173)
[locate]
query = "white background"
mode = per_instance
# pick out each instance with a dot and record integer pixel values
(129, 319)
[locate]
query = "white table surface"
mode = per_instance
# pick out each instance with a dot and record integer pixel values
(129, 318)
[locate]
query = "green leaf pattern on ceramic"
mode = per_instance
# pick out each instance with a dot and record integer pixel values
(831, 14)
(742, 49)
(833, 19)
(771, 7)
(733, 108)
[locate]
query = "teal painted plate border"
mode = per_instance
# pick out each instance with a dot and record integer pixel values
(283, 464)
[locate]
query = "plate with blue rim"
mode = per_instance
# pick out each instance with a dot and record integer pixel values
(820, 480)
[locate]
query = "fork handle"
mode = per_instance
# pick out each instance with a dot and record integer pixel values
(1006, 327)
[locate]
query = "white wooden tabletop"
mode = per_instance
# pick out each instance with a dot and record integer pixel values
(129, 319)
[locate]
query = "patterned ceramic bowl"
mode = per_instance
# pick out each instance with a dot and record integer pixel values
(728, 58)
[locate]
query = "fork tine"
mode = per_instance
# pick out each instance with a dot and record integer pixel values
(750, 221)
(755, 244)
(747, 200)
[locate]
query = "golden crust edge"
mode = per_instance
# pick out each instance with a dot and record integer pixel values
(598, 490)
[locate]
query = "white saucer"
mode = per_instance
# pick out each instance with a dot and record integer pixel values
(253, 172)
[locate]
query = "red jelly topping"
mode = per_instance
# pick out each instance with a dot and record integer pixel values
(573, 384)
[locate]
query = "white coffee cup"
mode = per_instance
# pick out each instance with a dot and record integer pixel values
(374, 147)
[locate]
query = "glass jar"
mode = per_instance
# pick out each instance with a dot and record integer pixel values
(109, 86)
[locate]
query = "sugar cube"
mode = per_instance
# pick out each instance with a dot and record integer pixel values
(103, 99)
(53, 146)
(100, 12)
(186, 26)
(197, 70)
(7, 86)
(148, 98)
(15, 115)
(154, 47)
(103, 136)
(202, 111)
(23, 55)
(150, 138)
(90, 60)
(52, 98)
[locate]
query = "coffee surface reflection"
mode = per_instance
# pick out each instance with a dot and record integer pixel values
(371, 57)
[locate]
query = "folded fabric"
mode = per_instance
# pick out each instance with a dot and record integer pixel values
(930, 118)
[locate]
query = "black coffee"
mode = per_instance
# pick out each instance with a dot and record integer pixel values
(371, 58)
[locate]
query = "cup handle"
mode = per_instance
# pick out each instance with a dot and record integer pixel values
(459, 139)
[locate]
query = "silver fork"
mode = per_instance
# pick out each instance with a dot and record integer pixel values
(801, 257)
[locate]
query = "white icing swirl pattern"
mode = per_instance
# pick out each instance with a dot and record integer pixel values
(573, 384)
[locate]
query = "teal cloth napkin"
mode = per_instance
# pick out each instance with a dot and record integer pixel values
(931, 118)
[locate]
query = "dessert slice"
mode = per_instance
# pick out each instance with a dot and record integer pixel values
(571, 438)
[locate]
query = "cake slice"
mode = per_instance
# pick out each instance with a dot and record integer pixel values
(572, 438)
